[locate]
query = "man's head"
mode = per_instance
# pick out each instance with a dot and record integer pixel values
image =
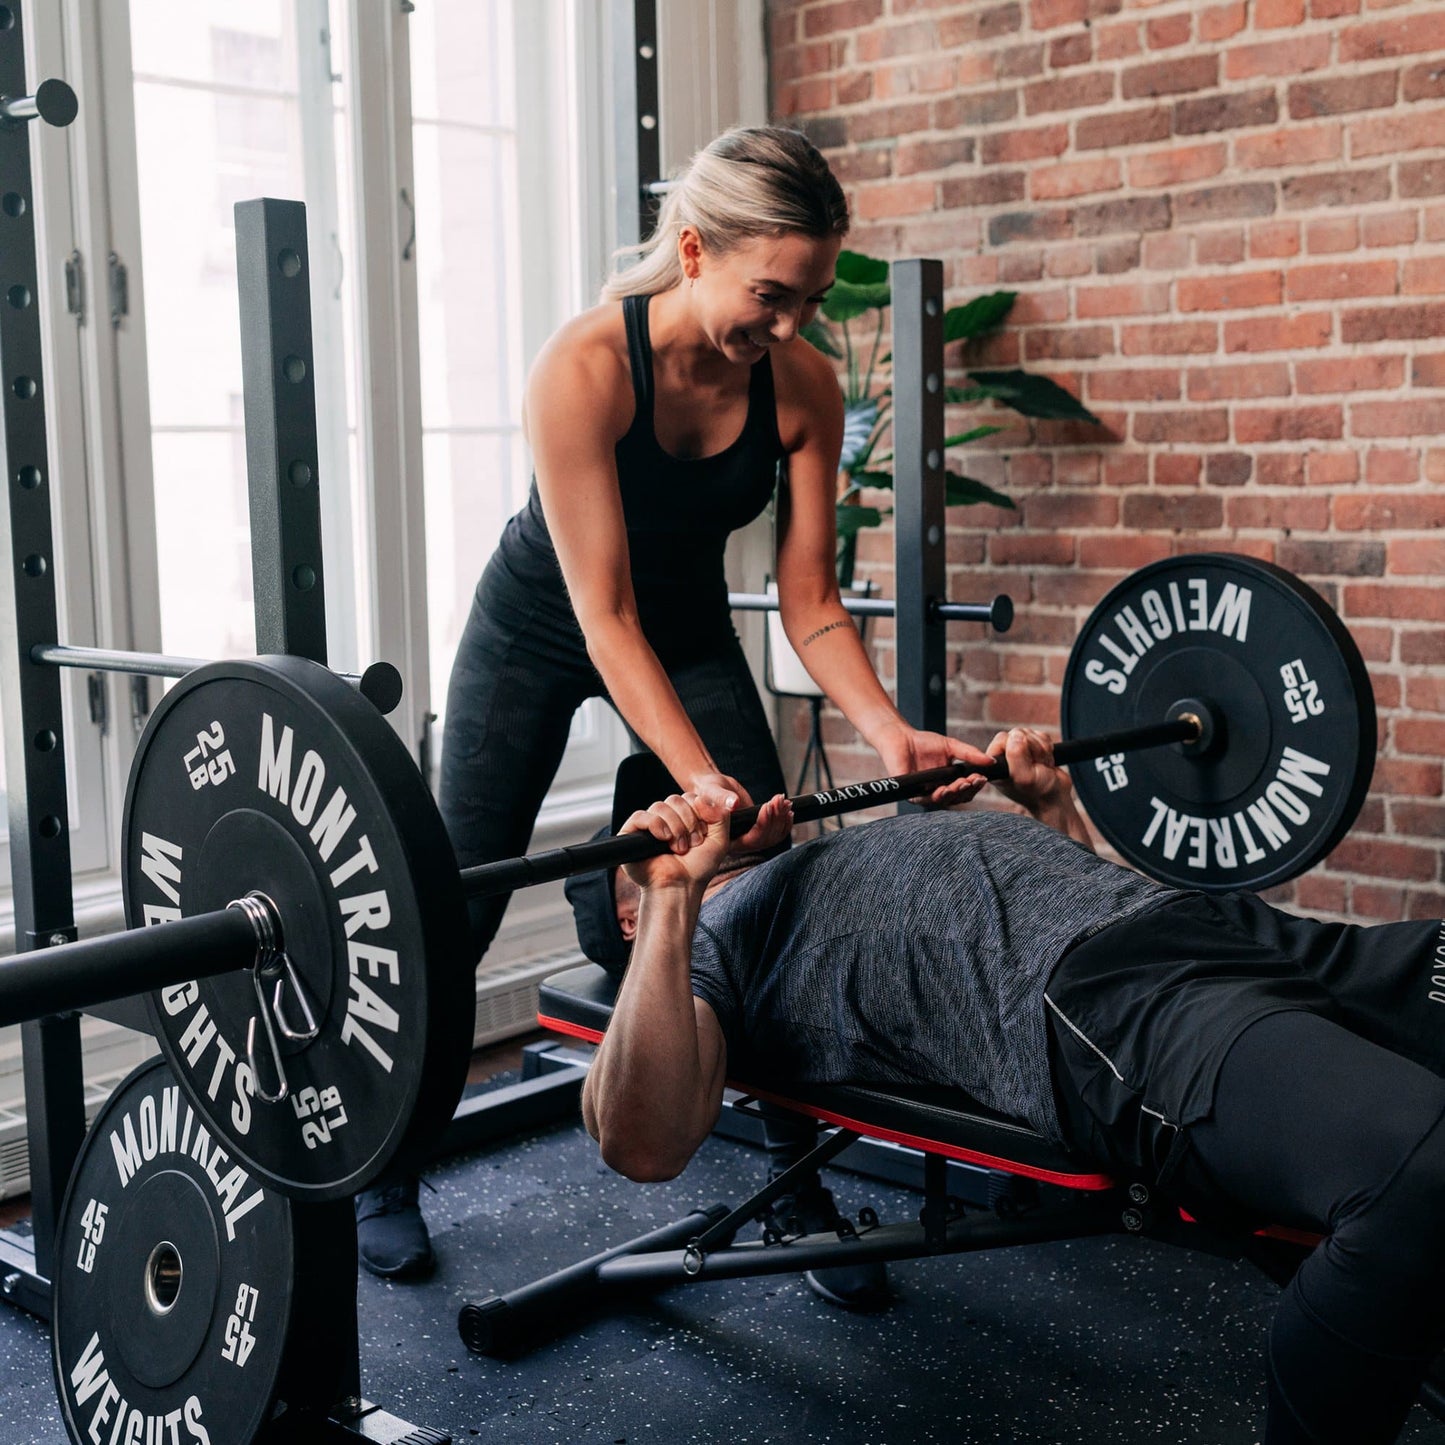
(606, 902)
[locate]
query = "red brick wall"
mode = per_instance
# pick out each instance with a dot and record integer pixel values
(1226, 225)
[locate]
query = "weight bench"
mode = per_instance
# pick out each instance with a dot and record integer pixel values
(1036, 1192)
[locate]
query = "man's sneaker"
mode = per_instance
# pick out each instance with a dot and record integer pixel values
(391, 1236)
(862, 1287)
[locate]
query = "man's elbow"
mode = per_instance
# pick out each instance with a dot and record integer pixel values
(641, 1163)
(655, 1152)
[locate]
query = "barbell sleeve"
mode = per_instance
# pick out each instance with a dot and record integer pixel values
(509, 874)
(1183, 729)
(380, 683)
(73, 976)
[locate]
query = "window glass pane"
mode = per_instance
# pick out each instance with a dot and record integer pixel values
(468, 216)
(227, 110)
(466, 206)
(203, 535)
(196, 160)
(215, 42)
(461, 62)
(469, 495)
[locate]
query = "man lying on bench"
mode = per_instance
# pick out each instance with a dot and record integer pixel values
(1270, 1069)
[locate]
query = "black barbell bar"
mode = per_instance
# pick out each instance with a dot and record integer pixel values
(75, 976)
(509, 874)
(78, 976)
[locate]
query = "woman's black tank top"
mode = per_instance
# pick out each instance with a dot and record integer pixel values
(678, 512)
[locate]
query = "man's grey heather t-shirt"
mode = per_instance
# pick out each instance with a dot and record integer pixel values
(909, 950)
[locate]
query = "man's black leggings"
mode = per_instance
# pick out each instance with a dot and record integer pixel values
(1314, 1126)
(1324, 1111)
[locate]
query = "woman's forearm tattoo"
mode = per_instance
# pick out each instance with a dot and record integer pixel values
(814, 636)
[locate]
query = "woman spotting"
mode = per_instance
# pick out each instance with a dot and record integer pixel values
(658, 426)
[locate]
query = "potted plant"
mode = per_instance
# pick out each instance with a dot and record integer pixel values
(859, 297)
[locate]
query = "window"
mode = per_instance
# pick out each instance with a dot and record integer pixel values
(468, 245)
(453, 158)
(232, 102)
(506, 252)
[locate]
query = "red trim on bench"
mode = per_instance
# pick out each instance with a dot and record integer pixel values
(575, 1031)
(874, 1131)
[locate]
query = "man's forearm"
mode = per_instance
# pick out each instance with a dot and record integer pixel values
(648, 1099)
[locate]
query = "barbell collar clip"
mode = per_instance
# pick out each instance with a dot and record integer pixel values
(283, 1086)
(288, 978)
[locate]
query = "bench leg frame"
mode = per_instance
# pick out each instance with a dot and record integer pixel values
(701, 1247)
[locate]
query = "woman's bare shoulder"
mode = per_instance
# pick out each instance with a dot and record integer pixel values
(582, 369)
(807, 391)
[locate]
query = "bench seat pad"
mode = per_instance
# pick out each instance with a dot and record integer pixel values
(578, 1002)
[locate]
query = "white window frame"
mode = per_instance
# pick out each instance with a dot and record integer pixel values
(95, 758)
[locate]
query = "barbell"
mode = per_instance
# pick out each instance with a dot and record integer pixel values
(308, 956)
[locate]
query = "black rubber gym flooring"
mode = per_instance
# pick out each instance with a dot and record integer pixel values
(1073, 1344)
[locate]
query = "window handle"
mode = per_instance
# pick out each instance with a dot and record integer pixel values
(410, 246)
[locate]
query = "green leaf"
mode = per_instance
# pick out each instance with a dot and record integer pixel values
(961, 395)
(852, 520)
(1032, 395)
(856, 269)
(962, 491)
(858, 422)
(964, 437)
(846, 301)
(818, 336)
(873, 479)
(975, 317)
(860, 285)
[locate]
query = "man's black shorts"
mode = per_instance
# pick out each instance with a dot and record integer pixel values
(1142, 1014)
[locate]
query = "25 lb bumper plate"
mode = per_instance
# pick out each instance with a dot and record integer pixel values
(185, 1294)
(1286, 707)
(278, 777)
